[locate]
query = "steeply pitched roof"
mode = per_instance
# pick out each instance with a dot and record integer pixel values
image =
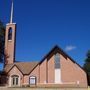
(54, 50)
(24, 67)
(57, 49)
(27, 67)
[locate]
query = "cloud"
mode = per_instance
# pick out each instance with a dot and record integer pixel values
(70, 48)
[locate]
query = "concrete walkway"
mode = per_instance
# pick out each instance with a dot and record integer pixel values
(5, 88)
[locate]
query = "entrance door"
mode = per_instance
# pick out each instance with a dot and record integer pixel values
(15, 80)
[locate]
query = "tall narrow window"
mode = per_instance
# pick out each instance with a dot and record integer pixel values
(10, 34)
(15, 80)
(57, 69)
(57, 61)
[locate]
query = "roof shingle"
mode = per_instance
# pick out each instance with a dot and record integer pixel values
(24, 67)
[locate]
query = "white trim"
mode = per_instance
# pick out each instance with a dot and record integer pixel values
(10, 80)
(59, 83)
(32, 78)
(10, 24)
(58, 76)
(10, 40)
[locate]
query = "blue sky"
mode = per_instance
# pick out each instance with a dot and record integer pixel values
(42, 24)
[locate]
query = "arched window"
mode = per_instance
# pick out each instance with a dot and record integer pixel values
(32, 80)
(10, 34)
(15, 80)
(57, 61)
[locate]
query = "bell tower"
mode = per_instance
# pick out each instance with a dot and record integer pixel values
(10, 38)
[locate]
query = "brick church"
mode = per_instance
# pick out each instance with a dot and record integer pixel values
(55, 69)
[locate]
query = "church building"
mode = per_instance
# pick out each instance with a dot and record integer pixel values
(55, 69)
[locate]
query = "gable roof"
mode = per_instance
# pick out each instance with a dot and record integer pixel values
(27, 67)
(57, 49)
(24, 67)
(54, 50)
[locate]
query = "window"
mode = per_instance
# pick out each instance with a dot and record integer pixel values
(32, 80)
(57, 61)
(10, 34)
(15, 80)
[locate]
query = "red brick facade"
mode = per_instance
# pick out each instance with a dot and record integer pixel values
(43, 73)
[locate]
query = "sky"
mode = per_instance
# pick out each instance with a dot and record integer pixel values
(42, 24)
